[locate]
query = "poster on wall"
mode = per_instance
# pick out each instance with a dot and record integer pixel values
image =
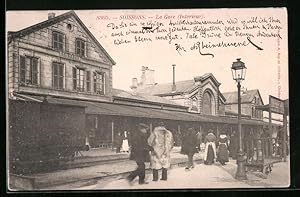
(147, 99)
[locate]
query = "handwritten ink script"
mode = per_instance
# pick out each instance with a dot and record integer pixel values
(193, 33)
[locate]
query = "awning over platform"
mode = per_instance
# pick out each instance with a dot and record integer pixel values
(113, 109)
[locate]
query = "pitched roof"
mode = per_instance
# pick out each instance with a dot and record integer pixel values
(247, 97)
(166, 88)
(181, 86)
(52, 21)
(122, 94)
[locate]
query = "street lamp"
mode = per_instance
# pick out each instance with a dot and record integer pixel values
(238, 69)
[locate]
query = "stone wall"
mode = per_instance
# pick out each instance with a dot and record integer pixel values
(39, 44)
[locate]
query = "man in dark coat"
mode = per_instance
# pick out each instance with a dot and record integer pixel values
(139, 153)
(234, 145)
(189, 146)
(118, 142)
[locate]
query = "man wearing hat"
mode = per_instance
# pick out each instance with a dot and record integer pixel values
(161, 141)
(139, 153)
(189, 146)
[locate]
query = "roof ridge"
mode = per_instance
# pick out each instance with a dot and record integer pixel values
(71, 12)
(236, 91)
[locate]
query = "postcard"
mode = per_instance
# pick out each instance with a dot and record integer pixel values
(147, 99)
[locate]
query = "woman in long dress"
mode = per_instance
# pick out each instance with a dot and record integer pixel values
(125, 145)
(223, 154)
(210, 149)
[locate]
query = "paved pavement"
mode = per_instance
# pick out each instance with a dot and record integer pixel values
(62, 179)
(111, 174)
(204, 177)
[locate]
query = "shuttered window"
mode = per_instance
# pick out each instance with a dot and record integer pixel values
(99, 83)
(58, 75)
(80, 47)
(29, 70)
(78, 79)
(58, 41)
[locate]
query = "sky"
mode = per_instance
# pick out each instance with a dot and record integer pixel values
(267, 69)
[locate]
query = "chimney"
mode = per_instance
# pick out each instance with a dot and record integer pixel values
(51, 15)
(173, 85)
(147, 78)
(243, 90)
(134, 86)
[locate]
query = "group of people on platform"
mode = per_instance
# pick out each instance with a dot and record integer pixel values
(155, 147)
(159, 143)
(215, 149)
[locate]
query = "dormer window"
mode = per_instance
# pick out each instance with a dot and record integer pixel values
(58, 40)
(80, 47)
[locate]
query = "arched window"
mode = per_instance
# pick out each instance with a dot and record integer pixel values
(207, 103)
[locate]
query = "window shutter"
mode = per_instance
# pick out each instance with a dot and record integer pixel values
(34, 71)
(88, 81)
(87, 49)
(104, 82)
(22, 69)
(95, 81)
(74, 78)
(66, 44)
(28, 70)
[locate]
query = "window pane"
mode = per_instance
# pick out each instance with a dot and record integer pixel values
(74, 73)
(103, 82)
(55, 82)
(61, 82)
(60, 38)
(54, 36)
(60, 46)
(55, 45)
(22, 69)
(61, 70)
(55, 69)
(88, 86)
(34, 65)
(88, 79)
(34, 78)
(88, 76)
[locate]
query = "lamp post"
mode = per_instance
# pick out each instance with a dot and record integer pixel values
(238, 69)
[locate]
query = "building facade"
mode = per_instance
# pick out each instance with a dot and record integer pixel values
(250, 100)
(201, 94)
(59, 57)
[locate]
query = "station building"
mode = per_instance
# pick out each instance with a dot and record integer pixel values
(59, 62)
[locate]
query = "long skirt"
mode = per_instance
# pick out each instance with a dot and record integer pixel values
(210, 155)
(125, 146)
(223, 155)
